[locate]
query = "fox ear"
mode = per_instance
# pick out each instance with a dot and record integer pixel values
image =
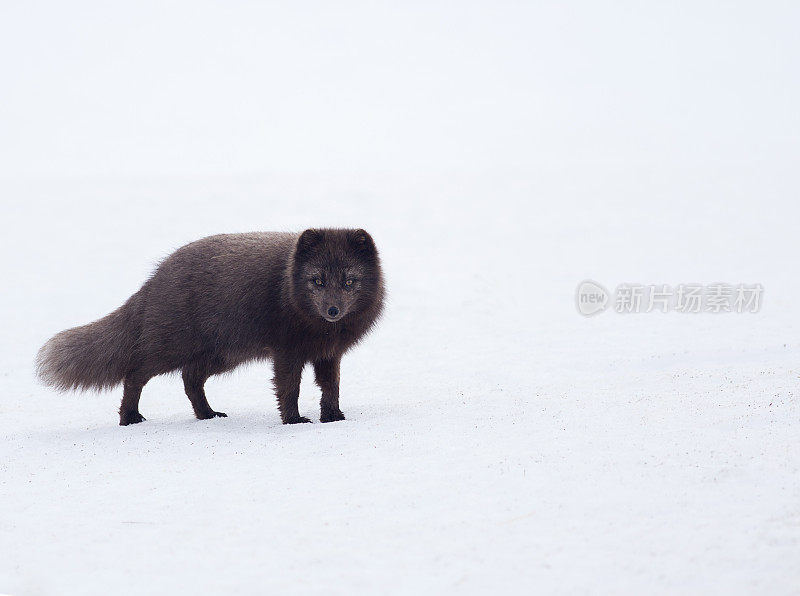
(308, 240)
(362, 241)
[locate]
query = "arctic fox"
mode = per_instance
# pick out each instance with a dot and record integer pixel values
(225, 300)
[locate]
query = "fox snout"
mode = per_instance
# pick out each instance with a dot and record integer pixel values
(333, 314)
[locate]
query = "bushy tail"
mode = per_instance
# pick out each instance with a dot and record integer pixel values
(94, 356)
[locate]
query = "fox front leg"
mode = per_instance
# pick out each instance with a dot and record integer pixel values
(288, 372)
(326, 373)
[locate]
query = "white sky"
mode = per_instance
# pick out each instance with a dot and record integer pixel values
(185, 88)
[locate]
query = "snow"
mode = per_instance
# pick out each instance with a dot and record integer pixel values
(495, 439)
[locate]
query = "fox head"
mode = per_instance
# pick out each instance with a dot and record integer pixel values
(336, 273)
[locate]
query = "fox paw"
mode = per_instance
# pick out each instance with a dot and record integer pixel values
(331, 416)
(126, 418)
(211, 414)
(296, 420)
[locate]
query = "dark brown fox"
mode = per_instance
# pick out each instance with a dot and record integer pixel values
(225, 300)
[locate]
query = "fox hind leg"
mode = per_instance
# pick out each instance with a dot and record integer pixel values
(194, 376)
(131, 392)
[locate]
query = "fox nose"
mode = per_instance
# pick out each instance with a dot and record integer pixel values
(333, 311)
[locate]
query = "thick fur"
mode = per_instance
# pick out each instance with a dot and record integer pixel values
(226, 300)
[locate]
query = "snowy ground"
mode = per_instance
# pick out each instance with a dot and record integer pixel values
(496, 440)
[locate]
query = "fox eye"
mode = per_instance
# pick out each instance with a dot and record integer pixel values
(348, 283)
(318, 281)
